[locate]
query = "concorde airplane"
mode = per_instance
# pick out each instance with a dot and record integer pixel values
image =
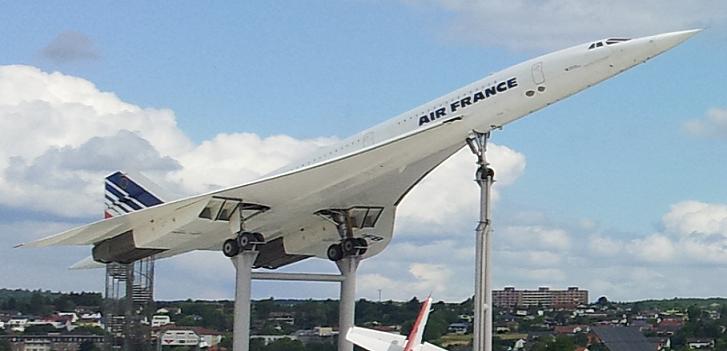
(341, 201)
(374, 340)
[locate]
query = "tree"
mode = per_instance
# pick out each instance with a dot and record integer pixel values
(602, 301)
(87, 345)
(562, 343)
(40, 329)
(4, 345)
(285, 344)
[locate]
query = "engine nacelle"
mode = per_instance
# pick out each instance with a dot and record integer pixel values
(121, 249)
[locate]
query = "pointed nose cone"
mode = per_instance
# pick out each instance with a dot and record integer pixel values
(667, 41)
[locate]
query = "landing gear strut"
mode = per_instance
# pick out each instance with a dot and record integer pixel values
(244, 240)
(349, 246)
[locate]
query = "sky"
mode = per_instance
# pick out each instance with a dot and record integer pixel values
(618, 189)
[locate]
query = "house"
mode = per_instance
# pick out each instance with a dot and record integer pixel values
(72, 315)
(282, 318)
(642, 324)
(458, 328)
(324, 331)
(695, 343)
(171, 310)
(159, 320)
(17, 324)
(519, 344)
(90, 320)
(570, 329)
(171, 335)
(662, 343)
(668, 326)
(617, 338)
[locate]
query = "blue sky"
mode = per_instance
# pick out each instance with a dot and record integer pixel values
(617, 162)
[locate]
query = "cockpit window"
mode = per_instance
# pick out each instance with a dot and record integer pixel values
(612, 41)
(609, 41)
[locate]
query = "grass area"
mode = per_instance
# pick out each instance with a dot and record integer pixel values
(455, 339)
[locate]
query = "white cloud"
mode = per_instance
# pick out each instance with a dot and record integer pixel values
(549, 24)
(451, 189)
(535, 236)
(714, 124)
(654, 248)
(694, 217)
(604, 246)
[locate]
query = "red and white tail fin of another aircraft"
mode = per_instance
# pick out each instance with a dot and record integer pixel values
(374, 340)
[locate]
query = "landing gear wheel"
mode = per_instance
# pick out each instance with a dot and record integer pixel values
(335, 252)
(349, 246)
(259, 238)
(244, 240)
(230, 248)
(362, 246)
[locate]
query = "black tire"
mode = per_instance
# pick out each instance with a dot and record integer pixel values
(230, 248)
(335, 252)
(259, 238)
(244, 240)
(362, 246)
(349, 246)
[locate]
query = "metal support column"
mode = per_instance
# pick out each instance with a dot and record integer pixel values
(482, 339)
(243, 286)
(347, 302)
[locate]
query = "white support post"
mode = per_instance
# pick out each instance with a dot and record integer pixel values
(347, 303)
(243, 286)
(482, 338)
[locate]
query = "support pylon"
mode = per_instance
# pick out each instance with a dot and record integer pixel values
(485, 177)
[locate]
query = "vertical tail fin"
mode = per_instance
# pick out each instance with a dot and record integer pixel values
(125, 193)
(417, 330)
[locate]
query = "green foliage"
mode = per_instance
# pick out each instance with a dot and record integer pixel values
(4, 345)
(40, 329)
(285, 344)
(87, 346)
(89, 330)
(45, 302)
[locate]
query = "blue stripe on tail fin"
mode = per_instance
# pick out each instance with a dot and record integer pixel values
(123, 195)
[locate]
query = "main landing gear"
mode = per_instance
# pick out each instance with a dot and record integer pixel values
(243, 242)
(349, 246)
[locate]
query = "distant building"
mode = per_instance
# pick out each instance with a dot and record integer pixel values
(282, 318)
(569, 298)
(54, 341)
(458, 328)
(695, 343)
(159, 320)
(172, 336)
